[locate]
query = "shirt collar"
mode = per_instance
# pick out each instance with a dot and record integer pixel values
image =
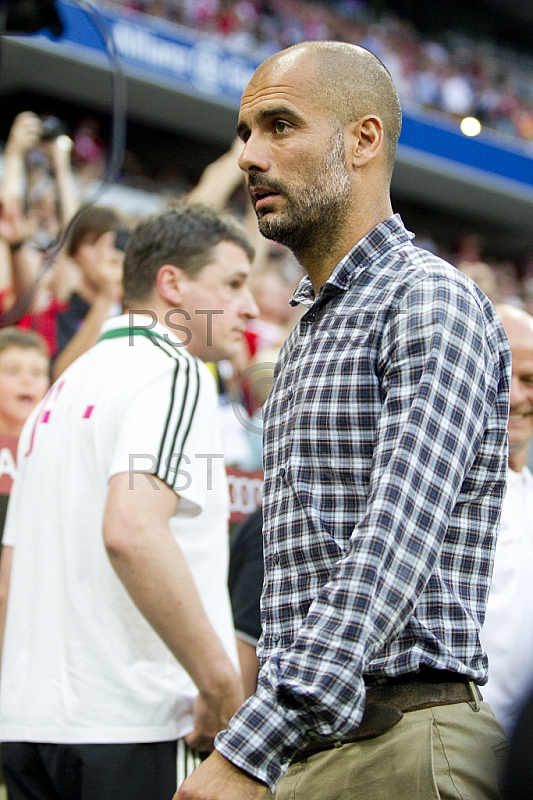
(386, 235)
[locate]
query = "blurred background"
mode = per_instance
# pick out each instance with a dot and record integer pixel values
(464, 177)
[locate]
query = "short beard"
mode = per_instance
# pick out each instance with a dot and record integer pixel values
(314, 218)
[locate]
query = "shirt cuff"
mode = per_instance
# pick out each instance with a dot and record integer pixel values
(259, 739)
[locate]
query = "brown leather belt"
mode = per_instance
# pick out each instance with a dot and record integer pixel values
(386, 704)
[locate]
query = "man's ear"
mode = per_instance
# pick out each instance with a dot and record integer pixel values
(169, 283)
(366, 137)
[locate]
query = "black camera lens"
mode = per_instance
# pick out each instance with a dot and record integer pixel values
(121, 238)
(51, 128)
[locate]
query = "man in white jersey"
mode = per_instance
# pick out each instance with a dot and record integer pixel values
(118, 633)
(507, 634)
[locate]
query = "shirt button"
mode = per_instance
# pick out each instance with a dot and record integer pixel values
(289, 393)
(281, 473)
(275, 558)
(276, 637)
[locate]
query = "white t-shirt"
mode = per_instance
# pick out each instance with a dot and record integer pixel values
(80, 662)
(507, 634)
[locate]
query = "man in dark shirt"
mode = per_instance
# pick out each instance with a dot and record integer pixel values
(245, 581)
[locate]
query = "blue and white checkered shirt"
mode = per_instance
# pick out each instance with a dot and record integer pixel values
(385, 457)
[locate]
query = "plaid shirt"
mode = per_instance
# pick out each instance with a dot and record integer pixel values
(385, 456)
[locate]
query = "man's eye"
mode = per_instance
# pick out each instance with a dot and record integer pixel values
(280, 126)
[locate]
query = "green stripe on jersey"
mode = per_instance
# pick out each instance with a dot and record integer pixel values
(121, 332)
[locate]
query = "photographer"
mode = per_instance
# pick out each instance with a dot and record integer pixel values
(38, 178)
(95, 246)
(38, 197)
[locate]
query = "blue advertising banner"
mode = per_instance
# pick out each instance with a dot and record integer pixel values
(161, 50)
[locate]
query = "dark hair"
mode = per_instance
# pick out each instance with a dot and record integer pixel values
(28, 340)
(92, 223)
(183, 236)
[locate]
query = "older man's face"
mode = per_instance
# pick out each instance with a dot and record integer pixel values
(520, 337)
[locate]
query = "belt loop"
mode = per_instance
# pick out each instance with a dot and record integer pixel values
(474, 705)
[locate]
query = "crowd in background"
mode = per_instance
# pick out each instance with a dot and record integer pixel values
(47, 175)
(68, 298)
(44, 181)
(453, 75)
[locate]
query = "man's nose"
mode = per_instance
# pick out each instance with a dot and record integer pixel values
(254, 156)
(249, 309)
(517, 394)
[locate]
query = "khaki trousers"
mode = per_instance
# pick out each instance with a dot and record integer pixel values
(454, 752)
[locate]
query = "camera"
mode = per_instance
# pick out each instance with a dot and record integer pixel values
(29, 16)
(52, 128)
(121, 238)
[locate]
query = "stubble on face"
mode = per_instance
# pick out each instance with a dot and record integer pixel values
(315, 208)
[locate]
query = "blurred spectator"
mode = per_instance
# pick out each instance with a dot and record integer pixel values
(23, 377)
(38, 179)
(23, 135)
(92, 245)
(509, 285)
(273, 284)
(38, 199)
(427, 78)
(468, 247)
(24, 366)
(524, 121)
(483, 276)
(51, 198)
(507, 633)
(456, 95)
(88, 152)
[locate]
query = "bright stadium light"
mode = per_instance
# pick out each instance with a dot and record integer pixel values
(470, 126)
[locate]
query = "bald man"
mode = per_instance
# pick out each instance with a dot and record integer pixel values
(385, 455)
(507, 634)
